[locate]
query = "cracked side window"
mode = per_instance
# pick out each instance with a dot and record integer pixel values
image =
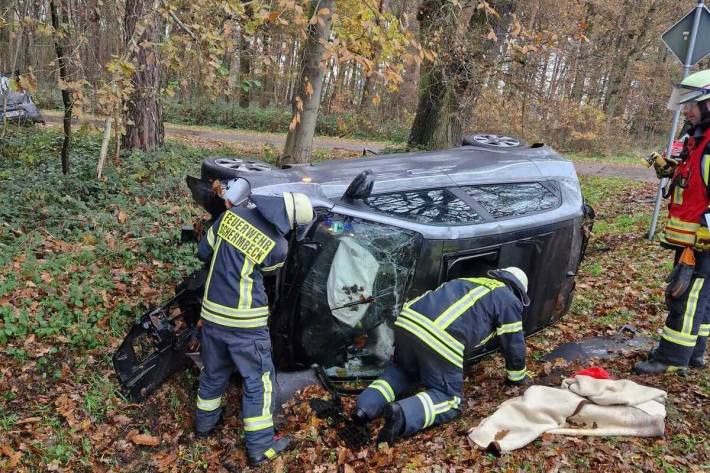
(353, 291)
(435, 206)
(514, 199)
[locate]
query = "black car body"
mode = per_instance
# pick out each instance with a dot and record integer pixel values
(428, 218)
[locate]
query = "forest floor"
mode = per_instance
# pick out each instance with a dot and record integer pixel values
(80, 259)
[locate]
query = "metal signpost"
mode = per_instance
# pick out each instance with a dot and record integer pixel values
(689, 40)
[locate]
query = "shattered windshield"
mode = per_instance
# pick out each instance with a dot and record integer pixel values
(356, 283)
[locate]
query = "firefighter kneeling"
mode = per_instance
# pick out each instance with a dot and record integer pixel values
(687, 327)
(433, 335)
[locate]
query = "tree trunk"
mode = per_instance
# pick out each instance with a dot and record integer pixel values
(438, 122)
(67, 99)
(307, 98)
(245, 64)
(144, 114)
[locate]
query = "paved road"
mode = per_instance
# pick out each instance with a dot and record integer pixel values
(638, 173)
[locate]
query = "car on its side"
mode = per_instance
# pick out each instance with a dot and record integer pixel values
(16, 103)
(387, 229)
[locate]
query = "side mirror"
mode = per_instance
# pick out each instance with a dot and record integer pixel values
(361, 187)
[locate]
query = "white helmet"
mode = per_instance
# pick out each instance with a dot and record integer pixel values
(298, 208)
(517, 278)
(236, 191)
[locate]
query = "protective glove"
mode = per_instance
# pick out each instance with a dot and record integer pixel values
(702, 239)
(679, 279)
(663, 167)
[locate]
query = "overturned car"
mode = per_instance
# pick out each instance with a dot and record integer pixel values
(387, 229)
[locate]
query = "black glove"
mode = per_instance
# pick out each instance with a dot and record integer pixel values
(679, 279)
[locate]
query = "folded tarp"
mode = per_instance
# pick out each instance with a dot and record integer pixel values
(581, 406)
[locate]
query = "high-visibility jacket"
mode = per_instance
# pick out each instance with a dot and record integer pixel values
(690, 198)
(467, 313)
(240, 245)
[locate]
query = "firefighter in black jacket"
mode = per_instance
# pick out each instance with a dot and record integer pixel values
(433, 334)
(687, 326)
(242, 244)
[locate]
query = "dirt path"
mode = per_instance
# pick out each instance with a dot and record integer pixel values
(54, 118)
(586, 168)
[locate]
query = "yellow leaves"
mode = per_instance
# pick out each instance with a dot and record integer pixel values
(28, 82)
(376, 100)
(324, 12)
(121, 216)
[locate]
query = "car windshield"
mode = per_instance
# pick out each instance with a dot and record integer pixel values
(355, 284)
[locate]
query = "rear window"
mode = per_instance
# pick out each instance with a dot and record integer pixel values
(512, 200)
(436, 206)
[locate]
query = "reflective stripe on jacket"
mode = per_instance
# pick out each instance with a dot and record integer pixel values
(239, 245)
(466, 313)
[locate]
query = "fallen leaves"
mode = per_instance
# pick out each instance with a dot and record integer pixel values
(13, 456)
(143, 439)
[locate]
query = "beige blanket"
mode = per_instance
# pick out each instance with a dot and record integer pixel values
(581, 406)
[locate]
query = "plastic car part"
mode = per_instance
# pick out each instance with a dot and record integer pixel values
(355, 436)
(157, 345)
(621, 343)
(490, 140)
(361, 187)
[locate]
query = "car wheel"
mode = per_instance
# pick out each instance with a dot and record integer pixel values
(490, 140)
(228, 167)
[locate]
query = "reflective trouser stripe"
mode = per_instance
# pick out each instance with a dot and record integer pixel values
(704, 330)
(431, 410)
(455, 310)
(265, 420)
(691, 306)
(517, 375)
(270, 453)
(510, 328)
(384, 388)
(429, 339)
(208, 404)
(252, 424)
(679, 338)
(268, 390)
(246, 284)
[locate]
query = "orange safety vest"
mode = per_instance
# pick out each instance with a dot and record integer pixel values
(689, 200)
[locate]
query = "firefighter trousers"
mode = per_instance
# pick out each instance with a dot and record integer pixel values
(415, 364)
(687, 326)
(225, 349)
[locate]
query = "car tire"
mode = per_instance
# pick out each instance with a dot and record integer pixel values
(230, 167)
(491, 140)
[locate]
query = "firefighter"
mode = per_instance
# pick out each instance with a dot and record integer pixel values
(433, 335)
(687, 326)
(241, 245)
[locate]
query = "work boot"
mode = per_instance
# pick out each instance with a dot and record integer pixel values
(394, 424)
(656, 367)
(280, 444)
(360, 417)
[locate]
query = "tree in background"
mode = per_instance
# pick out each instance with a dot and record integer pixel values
(306, 101)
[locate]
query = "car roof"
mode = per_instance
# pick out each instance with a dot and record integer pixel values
(466, 165)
